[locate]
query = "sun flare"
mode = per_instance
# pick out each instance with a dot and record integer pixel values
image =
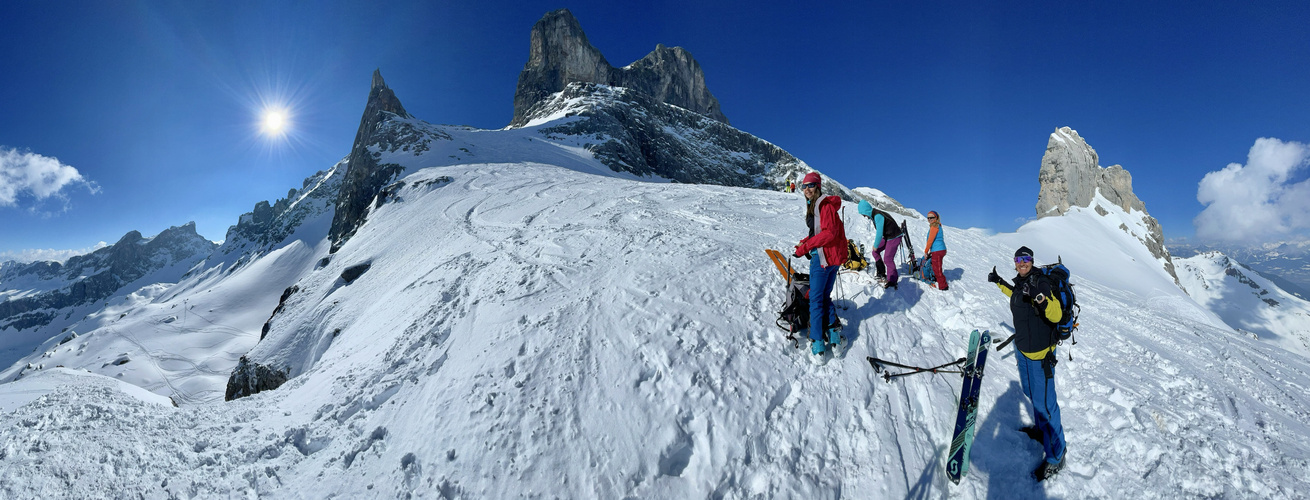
(275, 122)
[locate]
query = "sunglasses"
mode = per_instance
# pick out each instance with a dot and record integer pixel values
(809, 185)
(1022, 259)
(932, 218)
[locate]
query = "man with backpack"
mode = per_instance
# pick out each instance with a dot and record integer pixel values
(886, 241)
(826, 247)
(1037, 312)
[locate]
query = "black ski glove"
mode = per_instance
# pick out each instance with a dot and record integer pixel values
(992, 277)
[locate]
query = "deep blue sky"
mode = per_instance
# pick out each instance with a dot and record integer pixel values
(945, 107)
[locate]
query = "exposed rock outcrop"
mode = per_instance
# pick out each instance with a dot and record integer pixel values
(250, 378)
(560, 54)
(1071, 176)
(268, 225)
(365, 175)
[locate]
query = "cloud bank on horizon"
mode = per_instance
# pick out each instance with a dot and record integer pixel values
(24, 175)
(48, 254)
(1262, 200)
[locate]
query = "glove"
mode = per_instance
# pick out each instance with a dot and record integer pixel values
(992, 277)
(798, 252)
(1042, 290)
(1027, 290)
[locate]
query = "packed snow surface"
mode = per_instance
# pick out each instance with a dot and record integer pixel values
(526, 330)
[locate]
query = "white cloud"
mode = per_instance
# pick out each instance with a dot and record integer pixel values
(25, 173)
(41, 255)
(1256, 202)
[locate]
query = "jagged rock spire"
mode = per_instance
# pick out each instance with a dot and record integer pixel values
(559, 54)
(364, 175)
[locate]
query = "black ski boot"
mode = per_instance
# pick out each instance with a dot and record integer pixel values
(1046, 469)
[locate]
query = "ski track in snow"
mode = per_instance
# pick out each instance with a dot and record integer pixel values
(529, 331)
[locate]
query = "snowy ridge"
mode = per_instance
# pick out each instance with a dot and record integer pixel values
(530, 330)
(1247, 300)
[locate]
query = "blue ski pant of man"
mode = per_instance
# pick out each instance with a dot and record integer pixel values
(887, 252)
(1040, 389)
(821, 311)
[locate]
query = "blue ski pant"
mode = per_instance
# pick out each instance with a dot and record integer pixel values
(1040, 389)
(886, 252)
(821, 311)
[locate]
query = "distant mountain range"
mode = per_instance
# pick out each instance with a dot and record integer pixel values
(1247, 300)
(1285, 264)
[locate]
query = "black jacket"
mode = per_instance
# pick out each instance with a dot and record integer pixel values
(890, 228)
(1032, 331)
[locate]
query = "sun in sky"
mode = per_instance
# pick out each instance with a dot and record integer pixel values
(274, 121)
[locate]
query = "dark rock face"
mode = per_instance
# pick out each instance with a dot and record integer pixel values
(384, 128)
(98, 275)
(630, 131)
(648, 138)
(268, 225)
(250, 378)
(560, 54)
(281, 303)
(365, 175)
(353, 273)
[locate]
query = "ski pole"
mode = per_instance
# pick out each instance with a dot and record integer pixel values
(889, 376)
(1007, 342)
(877, 364)
(877, 367)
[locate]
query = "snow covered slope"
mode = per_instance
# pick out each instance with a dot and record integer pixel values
(526, 330)
(46, 300)
(180, 334)
(1247, 300)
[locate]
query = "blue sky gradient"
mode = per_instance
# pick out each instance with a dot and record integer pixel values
(945, 106)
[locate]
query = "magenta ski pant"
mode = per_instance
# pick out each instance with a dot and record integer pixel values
(887, 252)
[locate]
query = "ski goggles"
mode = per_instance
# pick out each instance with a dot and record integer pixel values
(1023, 259)
(809, 185)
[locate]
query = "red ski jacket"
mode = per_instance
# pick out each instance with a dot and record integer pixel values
(829, 233)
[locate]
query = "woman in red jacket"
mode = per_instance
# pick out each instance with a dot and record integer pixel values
(826, 248)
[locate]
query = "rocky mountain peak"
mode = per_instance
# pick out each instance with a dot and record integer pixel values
(559, 54)
(1071, 176)
(364, 174)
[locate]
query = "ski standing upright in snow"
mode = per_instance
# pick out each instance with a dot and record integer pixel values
(957, 461)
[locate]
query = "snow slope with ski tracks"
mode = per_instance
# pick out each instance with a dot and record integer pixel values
(528, 330)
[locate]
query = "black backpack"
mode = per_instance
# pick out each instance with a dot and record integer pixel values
(795, 314)
(1058, 277)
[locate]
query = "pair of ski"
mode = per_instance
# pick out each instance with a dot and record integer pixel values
(957, 461)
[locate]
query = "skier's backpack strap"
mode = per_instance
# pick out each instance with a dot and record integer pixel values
(1058, 277)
